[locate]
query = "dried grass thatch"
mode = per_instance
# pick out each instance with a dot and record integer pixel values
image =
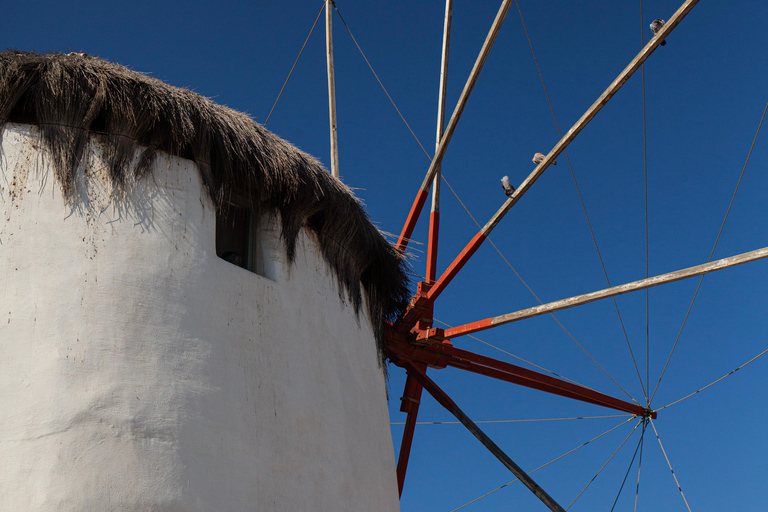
(72, 97)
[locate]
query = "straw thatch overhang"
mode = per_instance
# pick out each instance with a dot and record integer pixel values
(72, 97)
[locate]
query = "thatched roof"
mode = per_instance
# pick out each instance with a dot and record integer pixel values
(72, 97)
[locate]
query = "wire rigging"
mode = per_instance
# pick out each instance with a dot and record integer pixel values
(715, 382)
(670, 465)
(294, 63)
(513, 355)
(470, 214)
(647, 254)
(639, 465)
(547, 464)
(631, 462)
(379, 80)
(728, 211)
(646, 386)
(516, 421)
(581, 199)
(537, 297)
(603, 466)
(664, 407)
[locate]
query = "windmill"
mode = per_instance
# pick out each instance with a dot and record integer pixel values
(416, 344)
(447, 467)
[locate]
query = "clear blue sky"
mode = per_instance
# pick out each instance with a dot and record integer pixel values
(705, 94)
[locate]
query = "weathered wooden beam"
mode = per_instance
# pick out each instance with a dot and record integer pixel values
(607, 292)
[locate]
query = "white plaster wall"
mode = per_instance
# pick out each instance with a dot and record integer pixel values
(139, 372)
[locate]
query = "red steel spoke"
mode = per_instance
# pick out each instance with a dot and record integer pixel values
(410, 404)
(440, 355)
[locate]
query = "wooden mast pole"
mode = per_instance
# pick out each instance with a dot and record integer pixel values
(434, 218)
(331, 88)
(421, 196)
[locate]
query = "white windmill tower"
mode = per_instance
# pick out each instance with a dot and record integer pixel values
(191, 306)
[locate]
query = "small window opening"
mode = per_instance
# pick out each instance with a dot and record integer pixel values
(236, 236)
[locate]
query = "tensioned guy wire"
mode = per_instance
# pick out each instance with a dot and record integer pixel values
(603, 466)
(294, 64)
(631, 462)
(537, 297)
(713, 251)
(715, 382)
(639, 465)
(670, 465)
(547, 464)
(471, 216)
(516, 421)
(379, 80)
(647, 259)
(581, 199)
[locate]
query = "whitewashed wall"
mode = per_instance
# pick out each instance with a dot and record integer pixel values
(139, 372)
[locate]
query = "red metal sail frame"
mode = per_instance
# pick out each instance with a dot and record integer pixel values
(411, 342)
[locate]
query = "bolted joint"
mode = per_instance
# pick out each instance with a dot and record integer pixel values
(419, 307)
(409, 404)
(419, 300)
(422, 288)
(429, 336)
(426, 320)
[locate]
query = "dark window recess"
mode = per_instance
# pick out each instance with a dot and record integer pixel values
(236, 236)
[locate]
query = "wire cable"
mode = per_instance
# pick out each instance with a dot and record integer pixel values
(631, 462)
(473, 218)
(670, 465)
(536, 296)
(647, 257)
(713, 250)
(581, 199)
(639, 464)
(467, 210)
(381, 84)
(603, 467)
(513, 355)
(547, 464)
(294, 63)
(715, 382)
(516, 421)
